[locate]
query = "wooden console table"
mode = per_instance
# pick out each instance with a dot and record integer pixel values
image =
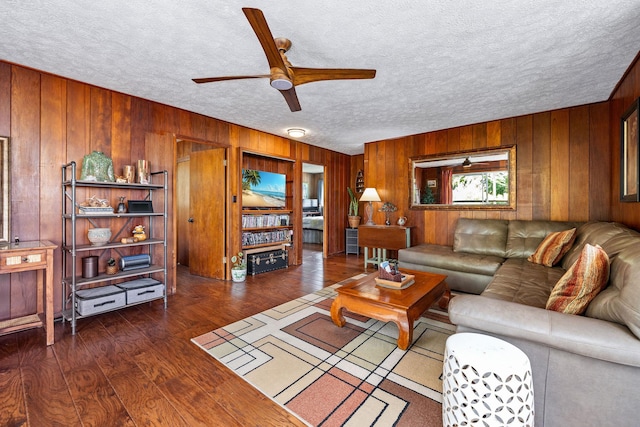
(30, 256)
(381, 238)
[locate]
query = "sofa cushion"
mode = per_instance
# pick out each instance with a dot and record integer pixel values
(624, 238)
(525, 236)
(582, 282)
(620, 301)
(553, 247)
(594, 233)
(481, 236)
(443, 257)
(520, 281)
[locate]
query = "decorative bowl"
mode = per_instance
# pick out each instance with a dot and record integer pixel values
(99, 236)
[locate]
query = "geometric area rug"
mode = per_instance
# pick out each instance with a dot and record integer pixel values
(330, 376)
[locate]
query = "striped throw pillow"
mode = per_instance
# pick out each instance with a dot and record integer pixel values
(551, 250)
(581, 283)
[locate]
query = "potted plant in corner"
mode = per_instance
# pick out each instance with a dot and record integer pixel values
(239, 268)
(354, 219)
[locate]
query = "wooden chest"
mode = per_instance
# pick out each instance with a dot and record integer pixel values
(267, 261)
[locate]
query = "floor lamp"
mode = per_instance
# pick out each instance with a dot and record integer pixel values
(369, 195)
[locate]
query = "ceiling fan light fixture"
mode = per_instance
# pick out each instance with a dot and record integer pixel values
(279, 80)
(281, 84)
(296, 132)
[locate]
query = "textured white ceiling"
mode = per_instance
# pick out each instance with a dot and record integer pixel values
(439, 63)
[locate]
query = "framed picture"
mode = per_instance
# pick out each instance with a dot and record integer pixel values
(432, 183)
(629, 160)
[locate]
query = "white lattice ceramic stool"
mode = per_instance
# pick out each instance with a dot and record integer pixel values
(486, 382)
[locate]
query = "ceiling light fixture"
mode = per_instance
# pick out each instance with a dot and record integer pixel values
(279, 80)
(296, 133)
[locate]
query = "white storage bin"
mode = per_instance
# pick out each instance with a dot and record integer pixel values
(97, 300)
(140, 290)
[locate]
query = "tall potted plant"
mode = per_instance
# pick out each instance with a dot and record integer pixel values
(239, 268)
(354, 219)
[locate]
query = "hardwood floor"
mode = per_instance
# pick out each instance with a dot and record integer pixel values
(137, 366)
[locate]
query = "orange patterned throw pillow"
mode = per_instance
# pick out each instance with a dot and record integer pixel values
(551, 250)
(581, 283)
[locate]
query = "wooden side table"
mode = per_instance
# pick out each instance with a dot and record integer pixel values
(30, 256)
(380, 238)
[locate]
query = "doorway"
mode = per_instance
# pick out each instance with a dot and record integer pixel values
(200, 201)
(313, 204)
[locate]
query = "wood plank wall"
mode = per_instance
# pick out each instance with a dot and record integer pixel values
(568, 165)
(563, 168)
(627, 91)
(53, 120)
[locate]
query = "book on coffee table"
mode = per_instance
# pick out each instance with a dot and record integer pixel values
(407, 280)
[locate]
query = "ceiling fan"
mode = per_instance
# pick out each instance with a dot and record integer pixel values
(283, 75)
(468, 164)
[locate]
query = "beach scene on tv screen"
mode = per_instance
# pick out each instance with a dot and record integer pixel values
(262, 189)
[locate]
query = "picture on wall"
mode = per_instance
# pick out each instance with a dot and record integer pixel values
(629, 159)
(263, 190)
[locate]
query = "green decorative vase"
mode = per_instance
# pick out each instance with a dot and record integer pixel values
(97, 167)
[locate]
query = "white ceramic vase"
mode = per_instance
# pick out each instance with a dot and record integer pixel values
(99, 236)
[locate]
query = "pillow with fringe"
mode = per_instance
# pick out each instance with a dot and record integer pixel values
(553, 247)
(581, 283)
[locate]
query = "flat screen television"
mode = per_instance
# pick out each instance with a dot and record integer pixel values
(263, 190)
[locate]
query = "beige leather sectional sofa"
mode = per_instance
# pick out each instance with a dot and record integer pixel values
(586, 368)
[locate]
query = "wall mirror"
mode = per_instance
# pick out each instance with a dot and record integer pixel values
(476, 179)
(5, 203)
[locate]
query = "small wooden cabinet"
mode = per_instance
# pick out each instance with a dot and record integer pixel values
(30, 256)
(352, 241)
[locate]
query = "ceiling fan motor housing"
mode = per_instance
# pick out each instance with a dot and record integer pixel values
(280, 80)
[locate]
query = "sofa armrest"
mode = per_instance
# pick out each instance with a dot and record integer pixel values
(598, 339)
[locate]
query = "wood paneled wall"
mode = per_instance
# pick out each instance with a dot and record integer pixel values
(53, 120)
(563, 168)
(568, 161)
(627, 91)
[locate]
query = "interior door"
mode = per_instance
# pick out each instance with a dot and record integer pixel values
(207, 220)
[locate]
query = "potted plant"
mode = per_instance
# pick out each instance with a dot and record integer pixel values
(112, 268)
(354, 219)
(239, 268)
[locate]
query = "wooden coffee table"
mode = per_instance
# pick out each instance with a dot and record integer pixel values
(401, 306)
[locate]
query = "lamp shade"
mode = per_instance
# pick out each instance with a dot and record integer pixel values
(370, 195)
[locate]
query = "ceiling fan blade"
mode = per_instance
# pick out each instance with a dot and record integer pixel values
(220, 79)
(307, 75)
(292, 99)
(260, 27)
